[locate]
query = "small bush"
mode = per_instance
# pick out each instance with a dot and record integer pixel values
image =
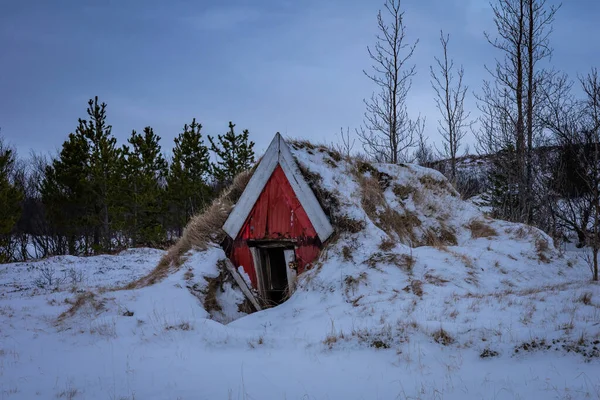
(47, 278)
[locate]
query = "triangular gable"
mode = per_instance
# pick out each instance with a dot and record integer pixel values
(278, 153)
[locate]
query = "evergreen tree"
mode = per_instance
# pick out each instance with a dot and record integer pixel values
(187, 186)
(67, 195)
(503, 193)
(144, 170)
(10, 202)
(80, 189)
(104, 164)
(234, 154)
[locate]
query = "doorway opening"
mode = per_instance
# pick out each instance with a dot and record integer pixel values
(274, 275)
(275, 272)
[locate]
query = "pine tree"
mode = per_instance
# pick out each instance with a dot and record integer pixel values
(187, 186)
(234, 154)
(67, 196)
(144, 171)
(81, 187)
(10, 202)
(104, 163)
(503, 194)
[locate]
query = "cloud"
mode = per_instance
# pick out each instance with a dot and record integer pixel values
(224, 18)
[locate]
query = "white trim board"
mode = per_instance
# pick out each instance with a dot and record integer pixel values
(278, 153)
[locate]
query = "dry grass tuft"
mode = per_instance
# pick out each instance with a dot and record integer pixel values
(182, 326)
(347, 253)
(402, 192)
(435, 280)
(430, 182)
(480, 229)
(83, 299)
(329, 202)
(214, 286)
(352, 282)
(387, 244)
(441, 237)
(416, 287)
(586, 298)
(203, 229)
(343, 223)
(405, 262)
(442, 337)
(320, 147)
(372, 197)
(386, 218)
(541, 247)
(301, 144)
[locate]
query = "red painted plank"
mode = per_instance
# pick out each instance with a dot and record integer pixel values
(277, 214)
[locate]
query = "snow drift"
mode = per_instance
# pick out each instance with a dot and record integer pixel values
(413, 278)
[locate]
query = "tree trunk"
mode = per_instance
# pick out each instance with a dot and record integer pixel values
(530, 84)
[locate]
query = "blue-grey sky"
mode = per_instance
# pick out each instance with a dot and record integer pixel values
(267, 65)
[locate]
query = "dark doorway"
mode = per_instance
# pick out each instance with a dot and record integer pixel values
(274, 274)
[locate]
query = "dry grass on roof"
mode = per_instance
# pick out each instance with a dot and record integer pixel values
(479, 229)
(391, 221)
(203, 229)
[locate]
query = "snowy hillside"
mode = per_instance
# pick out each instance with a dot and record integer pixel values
(417, 296)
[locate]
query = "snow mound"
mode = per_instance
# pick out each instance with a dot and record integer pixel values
(411, 258)
(417, 295)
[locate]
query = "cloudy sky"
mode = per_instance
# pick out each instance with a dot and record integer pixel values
(267, 65)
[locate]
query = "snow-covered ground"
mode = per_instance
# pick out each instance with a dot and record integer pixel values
(499, 314)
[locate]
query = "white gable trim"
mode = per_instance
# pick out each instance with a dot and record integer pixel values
(278, 153)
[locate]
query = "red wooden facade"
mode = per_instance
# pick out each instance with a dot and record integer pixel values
(276, 215)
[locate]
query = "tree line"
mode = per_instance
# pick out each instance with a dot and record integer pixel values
(98, 197)
(524, 104)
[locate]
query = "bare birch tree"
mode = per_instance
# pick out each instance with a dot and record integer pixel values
(591, 87)
(450, 92)
(519, 81)
(388, 133)
(575, 127)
